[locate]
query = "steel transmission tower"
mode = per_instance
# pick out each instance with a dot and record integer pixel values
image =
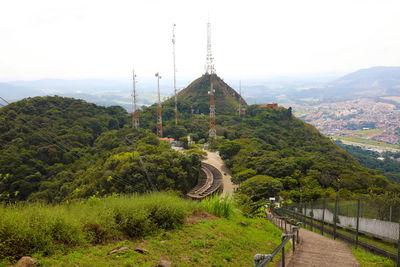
(135, 118)
(210, 70)
(176, 97)
(159, 118)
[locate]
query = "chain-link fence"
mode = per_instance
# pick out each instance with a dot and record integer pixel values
(349, 218)
(377, 219)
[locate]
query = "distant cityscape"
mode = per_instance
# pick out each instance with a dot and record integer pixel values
(368, 121)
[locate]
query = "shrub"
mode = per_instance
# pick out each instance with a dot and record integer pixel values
(218, 206)
(26, 229)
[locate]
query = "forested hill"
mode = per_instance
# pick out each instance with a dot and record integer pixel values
(273, 151)
(54, 148)
(389, 166)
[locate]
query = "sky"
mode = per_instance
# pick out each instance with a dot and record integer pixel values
(106, 39)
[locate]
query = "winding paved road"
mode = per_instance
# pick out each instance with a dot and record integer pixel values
(217, 162)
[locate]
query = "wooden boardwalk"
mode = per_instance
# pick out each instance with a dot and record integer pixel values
(318, 250)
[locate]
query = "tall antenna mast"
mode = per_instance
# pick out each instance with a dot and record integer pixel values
(173, 53)
(240, 98)
(210, 70)
(159, 118)
(135, 118)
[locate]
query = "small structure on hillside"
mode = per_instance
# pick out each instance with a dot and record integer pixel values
(172, 141)
(272, 105)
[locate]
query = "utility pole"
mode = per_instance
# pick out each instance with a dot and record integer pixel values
(173, 54)
(210, 70)
(159, 118)
(135, 118)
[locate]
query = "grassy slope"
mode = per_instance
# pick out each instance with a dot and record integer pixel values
(217, 242)
(82, 233)
(367, 259)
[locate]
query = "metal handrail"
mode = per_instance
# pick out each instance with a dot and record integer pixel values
(261, 260)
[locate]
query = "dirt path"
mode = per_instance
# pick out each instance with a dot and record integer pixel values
(217, 162)
(318, 250)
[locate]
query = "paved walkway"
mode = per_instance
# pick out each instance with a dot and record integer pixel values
(318, 250)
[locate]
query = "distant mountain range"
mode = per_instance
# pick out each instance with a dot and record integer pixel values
(371, 82)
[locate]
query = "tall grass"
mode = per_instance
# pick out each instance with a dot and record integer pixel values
(218, 206)
(26, 229)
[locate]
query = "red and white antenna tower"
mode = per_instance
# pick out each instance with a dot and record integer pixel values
(159, 118)
(210, 70)
(173, 53)
(135, 118)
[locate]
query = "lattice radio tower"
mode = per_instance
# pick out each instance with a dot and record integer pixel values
(135, 117)
(173, 54)
(159, 118)
(210, 70)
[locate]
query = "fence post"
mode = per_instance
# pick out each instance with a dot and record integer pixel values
(312, 215)
(298, 230)
(293, 241)
(305, 215)
(283, 251)
(390, 213)
(335, 218)
(323, 217)
(358, 220)
(285, 225)
(398, 249)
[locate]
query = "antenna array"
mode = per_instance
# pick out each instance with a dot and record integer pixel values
(135, 118)
(210, 70)
(159, 118)
(173, 54)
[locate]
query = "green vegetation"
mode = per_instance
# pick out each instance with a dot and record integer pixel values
(54, 149)
(26, 229)
(300, 112)
(205, 242)
(261, 187)
(218, 206)
(272, 142)
(359, 140)
(169, 227)
(367, 259)
(296, 157)
(368, 132)
(368, 159)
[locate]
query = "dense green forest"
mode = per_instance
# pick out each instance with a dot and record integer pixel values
(270, 148)
(389, 166)
(54, 148)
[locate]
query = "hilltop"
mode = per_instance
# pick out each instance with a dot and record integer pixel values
(226, 98)
(195, 96)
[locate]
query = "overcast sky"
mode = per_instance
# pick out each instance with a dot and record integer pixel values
(105, 39)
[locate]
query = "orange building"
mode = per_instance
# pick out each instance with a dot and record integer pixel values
(272, 105)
